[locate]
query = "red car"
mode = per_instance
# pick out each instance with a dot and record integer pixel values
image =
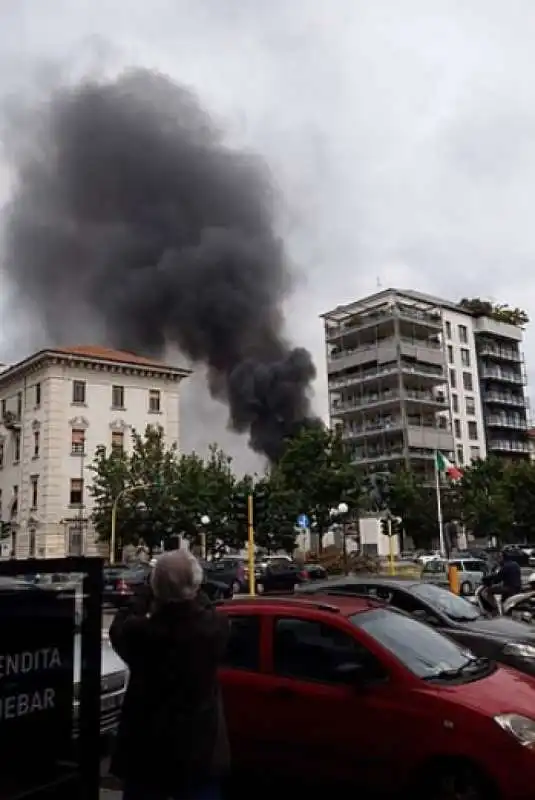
(344, 689)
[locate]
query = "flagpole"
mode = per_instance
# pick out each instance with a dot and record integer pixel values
(439, 509)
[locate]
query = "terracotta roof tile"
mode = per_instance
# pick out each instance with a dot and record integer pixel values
(107, 354)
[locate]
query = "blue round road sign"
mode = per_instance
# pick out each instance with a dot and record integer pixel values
(303, 521)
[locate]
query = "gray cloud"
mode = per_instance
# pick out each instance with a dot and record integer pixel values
(400, 134)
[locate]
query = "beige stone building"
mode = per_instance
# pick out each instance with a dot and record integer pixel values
(56, 408)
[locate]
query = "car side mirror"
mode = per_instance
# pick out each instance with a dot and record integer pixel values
(422, 615)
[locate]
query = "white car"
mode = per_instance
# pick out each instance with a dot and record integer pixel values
(425, 558)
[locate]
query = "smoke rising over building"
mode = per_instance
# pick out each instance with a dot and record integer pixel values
(130, 215)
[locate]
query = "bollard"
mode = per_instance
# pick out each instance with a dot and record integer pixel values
(453, 579)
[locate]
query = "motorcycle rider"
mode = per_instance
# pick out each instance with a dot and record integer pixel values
(507, 581)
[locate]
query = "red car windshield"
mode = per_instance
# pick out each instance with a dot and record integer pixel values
(425, 652)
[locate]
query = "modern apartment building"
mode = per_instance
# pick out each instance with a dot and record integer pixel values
(409, 374)
(56, 408)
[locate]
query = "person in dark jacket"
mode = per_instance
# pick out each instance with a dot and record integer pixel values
(172, 740)
(508, 579)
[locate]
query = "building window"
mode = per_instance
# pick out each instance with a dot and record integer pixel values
(77, 441)
(75, 545)
(450, 354)
(468, 382)
(19, 405)
(154, 401)
(117, 441)
(455, 403)
(36, 443)
(448, 330)
(15, 502)
(32, 546)
(465, 357)
(117, 397)
(457, 428)
(1, 454)
(463, 334)
(460, 455)
(34, 481)
(37, 395)
(76, 497)
(4, 408)
(470, 405)
(16, 443)
(78, 392)
(453, 379)
(475, 453)
(472, 430)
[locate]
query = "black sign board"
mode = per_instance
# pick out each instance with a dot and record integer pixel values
(50, 646)
(36, 681)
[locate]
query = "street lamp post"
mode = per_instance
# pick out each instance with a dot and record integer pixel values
(341, 511)
(114, 509)
(205, 521)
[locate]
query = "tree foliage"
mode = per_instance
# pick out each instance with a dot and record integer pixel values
(318, 471)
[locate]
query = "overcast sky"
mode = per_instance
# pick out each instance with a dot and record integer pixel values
(401, 133)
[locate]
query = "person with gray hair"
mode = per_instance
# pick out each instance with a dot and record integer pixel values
(172, 742)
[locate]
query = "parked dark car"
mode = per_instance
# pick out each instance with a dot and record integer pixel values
(315, 572)
(279, 575)
(517, 554)
(230, 570)
(504, 640)
(120, 582)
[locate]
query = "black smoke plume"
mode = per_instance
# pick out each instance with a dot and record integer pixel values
(130, 212)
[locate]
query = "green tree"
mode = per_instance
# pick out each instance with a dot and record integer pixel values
(485, 500)
(519, 486)
(416, 504)
(276, 509)
(111, 476)
(319, 471)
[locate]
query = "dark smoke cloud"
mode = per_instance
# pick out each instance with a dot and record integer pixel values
(130, 213)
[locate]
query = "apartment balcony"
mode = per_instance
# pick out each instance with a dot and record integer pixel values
(383, 455)
(390, 398)
(418, 436)
(504, 399)
(424, 437)
(512, 446)
(383, 319)
(426, 375)
(501, 375)
(385, 351)
(498, 353)
(501, 421)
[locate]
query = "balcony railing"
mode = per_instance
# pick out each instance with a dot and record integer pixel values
(387, 341)
(503, 398)
(505, 353)
(508, 446)
(375, 317)
(500, 421)
(364, 401)
(377, 372)
(493, 373)
(393, 425)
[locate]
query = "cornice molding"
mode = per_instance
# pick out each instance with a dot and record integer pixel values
(79, 422)
(119, 426)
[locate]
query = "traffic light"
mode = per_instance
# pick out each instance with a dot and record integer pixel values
(239, 509)
(260, 503)
(391, 525)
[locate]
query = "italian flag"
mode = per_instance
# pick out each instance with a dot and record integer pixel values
(445, 467)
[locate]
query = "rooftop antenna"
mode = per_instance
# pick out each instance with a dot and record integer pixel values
(379, 284)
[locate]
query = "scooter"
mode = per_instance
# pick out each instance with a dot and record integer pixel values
(520, 606)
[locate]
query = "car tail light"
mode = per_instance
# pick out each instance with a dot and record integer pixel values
(122, 586)
(304, 575)
(240, 574)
